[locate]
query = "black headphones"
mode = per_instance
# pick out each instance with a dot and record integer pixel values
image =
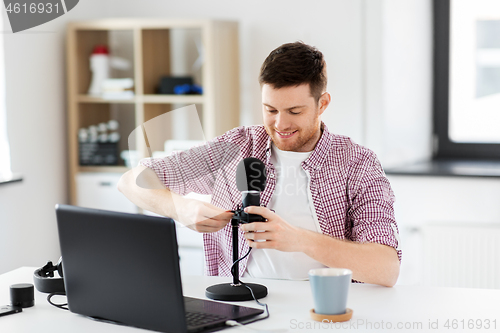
(45, 281)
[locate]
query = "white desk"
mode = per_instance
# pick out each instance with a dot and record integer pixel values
(376, 309)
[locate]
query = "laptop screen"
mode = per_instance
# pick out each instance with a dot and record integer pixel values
(122, 267)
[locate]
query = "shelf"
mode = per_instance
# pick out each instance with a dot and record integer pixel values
(104, 168)
(128, 23)
(94, 99)
(157, 99)
(173, 99)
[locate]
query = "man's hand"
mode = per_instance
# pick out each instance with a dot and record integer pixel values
(277, 233)
(142, 186)
(203, 217)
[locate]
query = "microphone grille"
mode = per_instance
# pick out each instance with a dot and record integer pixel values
(251, 175)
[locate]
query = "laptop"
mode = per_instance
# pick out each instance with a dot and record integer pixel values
(125, 268)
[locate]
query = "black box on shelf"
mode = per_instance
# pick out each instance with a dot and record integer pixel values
(98, 153)
(168, 83)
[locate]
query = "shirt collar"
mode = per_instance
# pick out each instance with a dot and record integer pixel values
(315, 161)
(268, 150)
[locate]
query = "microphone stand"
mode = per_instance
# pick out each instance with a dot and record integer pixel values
(237, 291)
(235, 269)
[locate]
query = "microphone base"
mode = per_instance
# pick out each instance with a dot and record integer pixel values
(230, 292)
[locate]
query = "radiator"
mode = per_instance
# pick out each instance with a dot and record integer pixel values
(461, 255)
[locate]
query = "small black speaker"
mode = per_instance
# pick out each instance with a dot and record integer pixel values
(22, 294)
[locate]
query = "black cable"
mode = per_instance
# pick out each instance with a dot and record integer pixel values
(237, 261)
(60, 306)
(258, 302)
(251, 292)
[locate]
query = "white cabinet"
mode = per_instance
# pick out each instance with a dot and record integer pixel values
(190, 250)
(191, 260)
(191, 256)
(98, 190)
(450, 223)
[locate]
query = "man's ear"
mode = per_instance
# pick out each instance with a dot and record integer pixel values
(324, 101)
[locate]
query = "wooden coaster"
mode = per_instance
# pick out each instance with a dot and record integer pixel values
(332, 318)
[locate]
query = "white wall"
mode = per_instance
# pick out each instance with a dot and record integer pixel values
(367, 44)
(398, 80)
(36, 130)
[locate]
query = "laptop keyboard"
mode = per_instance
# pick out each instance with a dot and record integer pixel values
(199, 318)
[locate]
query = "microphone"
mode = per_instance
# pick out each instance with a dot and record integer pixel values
(250, 181)
(251, 175)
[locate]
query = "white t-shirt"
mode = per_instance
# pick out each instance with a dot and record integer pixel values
(292, 201)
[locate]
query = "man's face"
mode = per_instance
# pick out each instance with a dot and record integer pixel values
(292, 118)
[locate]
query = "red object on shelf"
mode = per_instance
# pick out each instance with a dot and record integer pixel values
(100, 49)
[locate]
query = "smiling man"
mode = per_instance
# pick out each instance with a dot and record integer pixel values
(327, 202)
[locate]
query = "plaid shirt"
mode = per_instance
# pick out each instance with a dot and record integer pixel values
(352, 197)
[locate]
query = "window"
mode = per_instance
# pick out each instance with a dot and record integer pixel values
(4, 144)
(467, 79)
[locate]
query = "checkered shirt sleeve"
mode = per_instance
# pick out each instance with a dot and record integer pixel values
(371, 212)
(194, 170)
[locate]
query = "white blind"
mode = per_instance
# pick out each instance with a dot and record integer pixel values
(4, 143)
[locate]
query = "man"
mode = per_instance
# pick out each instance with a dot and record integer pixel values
(327, 201)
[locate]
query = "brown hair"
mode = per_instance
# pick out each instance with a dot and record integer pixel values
(293, 64)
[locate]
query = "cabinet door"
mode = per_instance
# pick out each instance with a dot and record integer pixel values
(191, 261)
(98, 190)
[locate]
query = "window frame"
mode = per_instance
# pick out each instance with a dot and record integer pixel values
(444, 148)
